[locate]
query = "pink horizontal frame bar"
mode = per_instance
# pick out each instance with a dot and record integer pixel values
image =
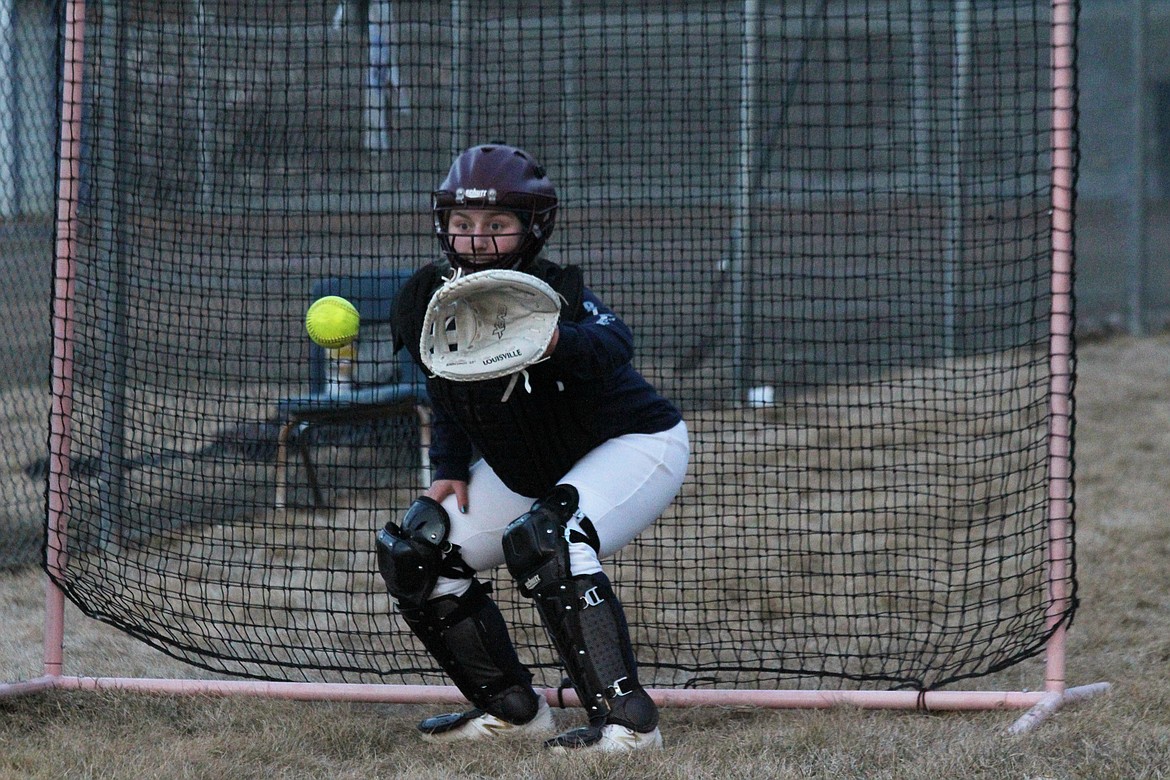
(665, 697)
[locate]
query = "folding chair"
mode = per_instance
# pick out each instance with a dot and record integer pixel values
(382, 385)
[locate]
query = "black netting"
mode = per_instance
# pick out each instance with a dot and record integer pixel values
(828, 223)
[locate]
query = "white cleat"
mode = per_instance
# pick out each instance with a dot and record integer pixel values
(477, 724)
(610, 738)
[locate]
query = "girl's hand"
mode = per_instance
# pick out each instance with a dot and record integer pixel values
(441, 488)
(556, 336)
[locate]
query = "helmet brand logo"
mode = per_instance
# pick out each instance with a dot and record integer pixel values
(462, 194)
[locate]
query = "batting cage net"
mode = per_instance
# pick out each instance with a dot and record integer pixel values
(829, 225)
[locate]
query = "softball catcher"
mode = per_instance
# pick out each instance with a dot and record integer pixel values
(550, 453)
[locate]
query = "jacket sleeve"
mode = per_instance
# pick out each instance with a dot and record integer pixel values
(410, 308)
(450, 450)
(594, 346)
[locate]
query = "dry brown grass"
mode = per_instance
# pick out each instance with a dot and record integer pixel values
(1120, 635)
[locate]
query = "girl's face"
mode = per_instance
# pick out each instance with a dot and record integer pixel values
(480, 236)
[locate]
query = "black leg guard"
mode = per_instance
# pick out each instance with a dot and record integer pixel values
(469, 639)
(465, 634)
(581, 613)
(588, 626)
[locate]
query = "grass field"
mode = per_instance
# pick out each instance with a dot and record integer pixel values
(1121, 635)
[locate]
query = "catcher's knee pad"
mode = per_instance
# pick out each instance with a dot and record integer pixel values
(412, 556)
(536, 544)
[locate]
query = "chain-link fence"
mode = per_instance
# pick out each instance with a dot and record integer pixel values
(27, 183)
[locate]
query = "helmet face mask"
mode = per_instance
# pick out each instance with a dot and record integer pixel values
(484, 238)
(496, 178)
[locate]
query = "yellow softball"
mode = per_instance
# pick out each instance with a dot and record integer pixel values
(332, 322)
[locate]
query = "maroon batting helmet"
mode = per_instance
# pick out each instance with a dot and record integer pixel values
(504, 177)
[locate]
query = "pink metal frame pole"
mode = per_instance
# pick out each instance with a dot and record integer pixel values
(1061, 412)
(61, 409)
(1061, 370)
(61, 417)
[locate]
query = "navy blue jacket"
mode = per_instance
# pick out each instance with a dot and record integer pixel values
(586, 393)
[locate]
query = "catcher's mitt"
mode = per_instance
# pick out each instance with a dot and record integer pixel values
(488, 324)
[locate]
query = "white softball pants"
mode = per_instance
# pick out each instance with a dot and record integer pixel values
(624, 485)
